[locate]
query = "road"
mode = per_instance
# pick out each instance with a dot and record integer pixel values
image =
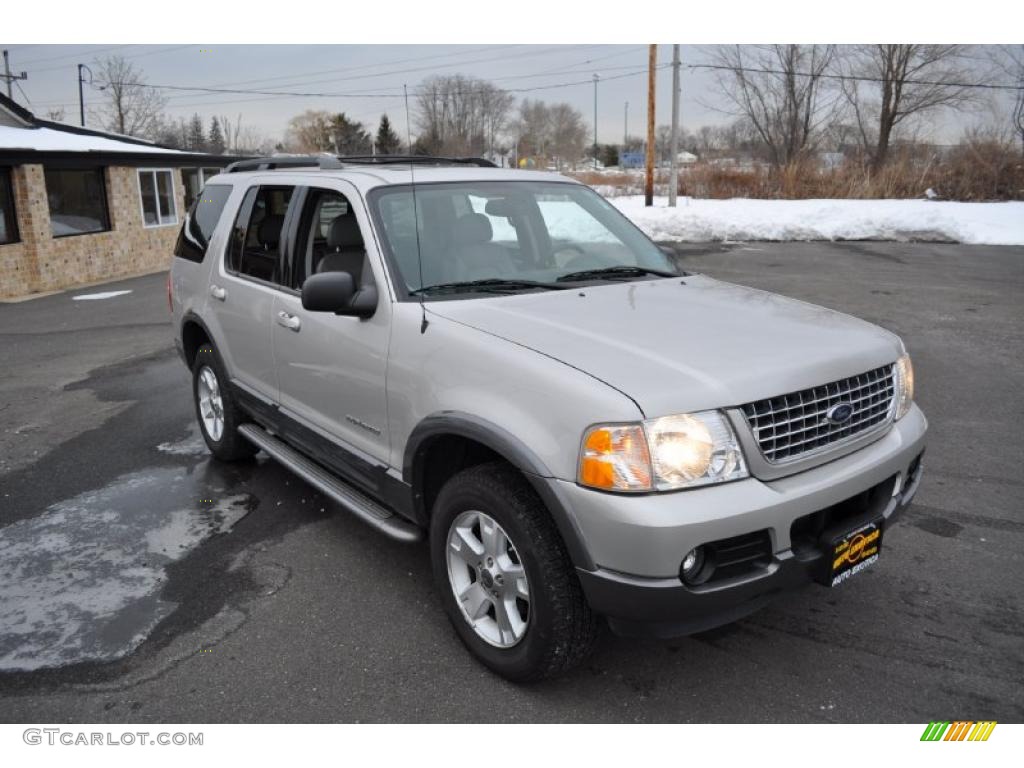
(140, 582)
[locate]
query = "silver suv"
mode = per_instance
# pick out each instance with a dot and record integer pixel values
(500, 362)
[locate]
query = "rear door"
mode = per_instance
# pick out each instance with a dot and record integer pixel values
(243, 287)
(331, 369)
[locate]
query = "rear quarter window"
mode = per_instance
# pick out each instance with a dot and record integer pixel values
(201, 222)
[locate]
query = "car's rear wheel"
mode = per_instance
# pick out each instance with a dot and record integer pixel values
(505, 578)
(218, 414)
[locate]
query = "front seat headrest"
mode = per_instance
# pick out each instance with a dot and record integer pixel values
(269, 231)
(472, 229)
(344, 234)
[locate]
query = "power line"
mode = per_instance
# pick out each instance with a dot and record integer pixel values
(542, 52)
(361, 95)
(73, 55)
(169, 49)
(217, 90)
(363, 67)
(859, 78)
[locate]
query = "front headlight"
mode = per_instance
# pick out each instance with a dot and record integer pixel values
(904, 371)
(669, 453)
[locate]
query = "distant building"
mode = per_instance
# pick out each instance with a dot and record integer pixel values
(632, 159)
(79, 205)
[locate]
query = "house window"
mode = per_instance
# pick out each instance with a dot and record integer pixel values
(8, 224)
(195, 179)
(156, 188)
(78, 201)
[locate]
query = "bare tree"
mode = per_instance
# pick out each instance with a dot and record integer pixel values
(902, 82)
(1008, 63)
(568, 132)
(556, 131)
(460, 115)
(130, 107)
(250, 140)
(780, 90)
(57, 115)
(311, 131)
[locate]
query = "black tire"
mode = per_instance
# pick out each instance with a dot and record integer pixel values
(561, 628)
(231, 446)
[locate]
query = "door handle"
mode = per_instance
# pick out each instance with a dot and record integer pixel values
(289, 321)
(217, 292)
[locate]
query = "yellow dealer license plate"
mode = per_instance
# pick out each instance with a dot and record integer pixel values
(854, 552)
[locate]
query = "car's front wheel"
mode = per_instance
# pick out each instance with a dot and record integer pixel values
(505, 578)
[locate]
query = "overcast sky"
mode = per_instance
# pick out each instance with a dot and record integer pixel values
(372, 76)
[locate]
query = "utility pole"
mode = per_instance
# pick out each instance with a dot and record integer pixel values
(596, 78)
(652, 63)
(81, 99)
(8, 77)
(673, 176)
(625, 128)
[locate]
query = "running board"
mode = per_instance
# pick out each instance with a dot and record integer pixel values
(356, 502)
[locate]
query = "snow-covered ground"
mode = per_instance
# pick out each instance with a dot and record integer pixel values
(741, 219)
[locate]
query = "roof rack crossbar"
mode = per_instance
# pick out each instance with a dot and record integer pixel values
(330, 162)
(417, 159)
(275, 163)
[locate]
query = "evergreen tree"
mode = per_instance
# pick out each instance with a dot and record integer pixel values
(349, 137)
(216, 140)
(196, 135)
(388, 142)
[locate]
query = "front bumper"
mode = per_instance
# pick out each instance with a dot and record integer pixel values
(638, 542)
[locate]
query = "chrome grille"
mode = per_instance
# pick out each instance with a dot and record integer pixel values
(791, 426)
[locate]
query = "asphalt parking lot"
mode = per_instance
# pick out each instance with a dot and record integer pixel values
(141, 582)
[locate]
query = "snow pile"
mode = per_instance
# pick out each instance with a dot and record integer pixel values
(902, 220)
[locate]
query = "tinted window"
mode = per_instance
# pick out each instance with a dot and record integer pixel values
(78, 201)
(8, 225)
(201, 221)
(329, 238)
(258, 233)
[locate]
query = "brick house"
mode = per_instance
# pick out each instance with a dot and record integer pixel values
(79, 205)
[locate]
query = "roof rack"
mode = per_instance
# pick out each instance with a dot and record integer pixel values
(273, 163)
(330, 162)
(417, 159)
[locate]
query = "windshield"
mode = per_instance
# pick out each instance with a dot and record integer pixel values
(508, 236)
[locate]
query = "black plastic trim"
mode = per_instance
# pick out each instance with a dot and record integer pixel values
(509, 447)
(361, 471)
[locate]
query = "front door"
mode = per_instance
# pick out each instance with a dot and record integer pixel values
(331, 369)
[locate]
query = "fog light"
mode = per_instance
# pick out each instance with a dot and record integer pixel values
(693, 563)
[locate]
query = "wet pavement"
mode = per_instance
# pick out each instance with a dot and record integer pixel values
(142, 581)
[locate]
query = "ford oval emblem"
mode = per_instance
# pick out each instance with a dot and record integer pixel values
(839, 413)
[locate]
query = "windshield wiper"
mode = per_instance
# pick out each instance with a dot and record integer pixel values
(490, 284)
(622, 271)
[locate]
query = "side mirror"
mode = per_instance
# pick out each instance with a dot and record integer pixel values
(336, 292)
(669, 251)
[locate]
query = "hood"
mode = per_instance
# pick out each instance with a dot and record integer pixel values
(684, 344)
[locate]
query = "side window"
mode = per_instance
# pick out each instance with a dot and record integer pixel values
(201, 221)
(329, 239)
(255, 248)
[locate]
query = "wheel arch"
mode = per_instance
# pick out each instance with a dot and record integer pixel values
(194, 334)
(436, 435)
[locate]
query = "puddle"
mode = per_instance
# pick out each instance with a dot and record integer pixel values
(82, 581)
(192, 445)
